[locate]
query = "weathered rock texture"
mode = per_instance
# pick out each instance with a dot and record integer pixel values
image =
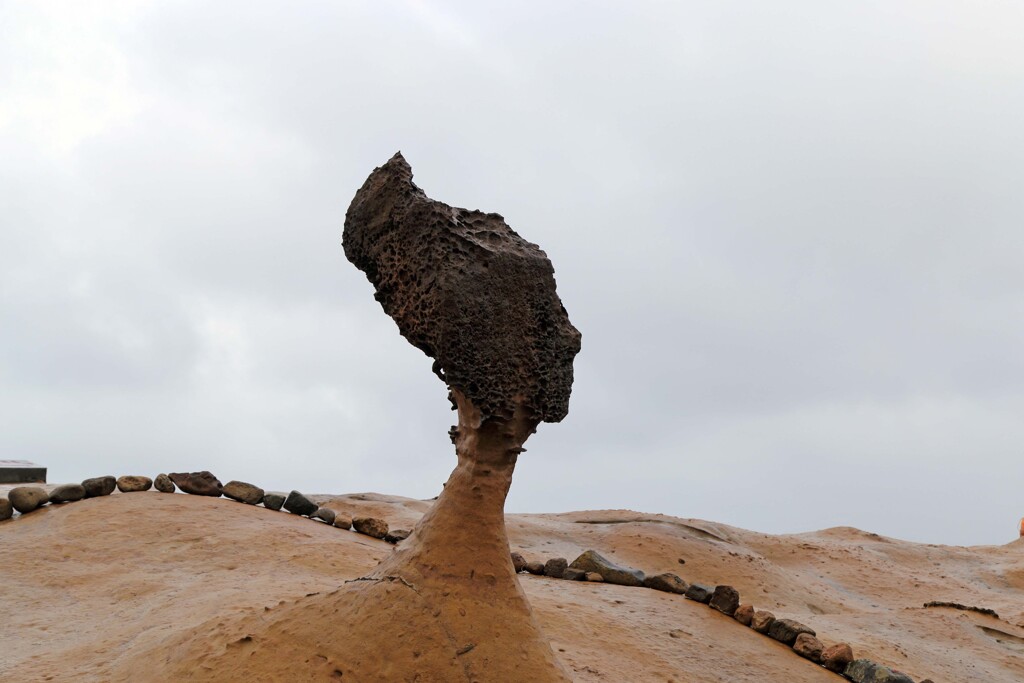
(469, 292)
(479, 299)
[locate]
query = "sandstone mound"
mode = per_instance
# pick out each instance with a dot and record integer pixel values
(144, 586)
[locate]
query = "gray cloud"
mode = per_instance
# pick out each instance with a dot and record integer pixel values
(790, 235)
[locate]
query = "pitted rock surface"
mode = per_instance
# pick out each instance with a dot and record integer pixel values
(466, 290)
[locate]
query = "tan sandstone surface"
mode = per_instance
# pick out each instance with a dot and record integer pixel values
(133, 587)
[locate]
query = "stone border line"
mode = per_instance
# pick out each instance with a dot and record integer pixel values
(592, 566)
(589, 566)
(26, 499)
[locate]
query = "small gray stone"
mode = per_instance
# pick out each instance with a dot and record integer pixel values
(786, 630)
(6, 509)
(131, 483)
(518, 562)
(163, 484)
(592, 561)
(744, 614)
(273, 501)
(762, 621)
(571, 574)
(397, 535)
(725, 599)
(808, 647)
(555, 567)
(300, 505)
(243, 492)
(866, 671)
(67, 493)
(371, 526)
(837, 657)
(197, 483)
(667, 582)
(27, 498)
(699, 592)
(99, 486)
(342, 522)
(326, 515)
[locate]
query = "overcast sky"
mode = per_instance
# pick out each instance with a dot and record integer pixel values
(791, 234)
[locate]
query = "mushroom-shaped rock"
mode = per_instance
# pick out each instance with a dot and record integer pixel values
(480, 300)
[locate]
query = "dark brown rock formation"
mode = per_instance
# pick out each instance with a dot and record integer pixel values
(469, 292)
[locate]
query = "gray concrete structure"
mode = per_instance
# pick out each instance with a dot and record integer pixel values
(21, 472)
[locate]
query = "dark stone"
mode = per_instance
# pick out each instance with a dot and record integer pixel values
(163, 484)
(325, 515)
(837, 657)
(866, 671)
(273, 501)
(243, 492)
(99, 486)
(518, 562)
(668, 582)
(67, 493)
(370, 526)
(555, 567)
(725, 599)
(466, 290)
(744, 614)
(808, 647)
(592, 561)
(571, 574)
(786, 630)
(6, 509)
(397, 535)
(197, 483)
(342, 522)
(27, 498)
(762, 621)
(131, 483)
(535, 568)
(300, 505)
(699, 592)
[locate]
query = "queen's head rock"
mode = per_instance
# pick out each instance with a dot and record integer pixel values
(469, 292)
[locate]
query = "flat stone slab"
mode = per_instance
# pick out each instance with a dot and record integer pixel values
(21, 472)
